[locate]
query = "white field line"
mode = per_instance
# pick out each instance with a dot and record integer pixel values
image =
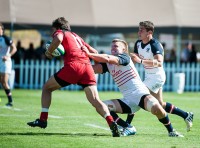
(97, 126)
(11, 108)
(55, 117)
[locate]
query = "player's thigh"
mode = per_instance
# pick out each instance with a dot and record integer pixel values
(51, 84)
(158, 96)
(154, 82)
(4, 77)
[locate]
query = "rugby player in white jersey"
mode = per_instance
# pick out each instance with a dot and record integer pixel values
(149, 52)
(7, 49)
(135, 93)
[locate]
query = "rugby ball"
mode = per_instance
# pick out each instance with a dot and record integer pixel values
(59, 51)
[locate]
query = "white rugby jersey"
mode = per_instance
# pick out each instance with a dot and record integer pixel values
(126, 77)
(147, 51)
(5, 43)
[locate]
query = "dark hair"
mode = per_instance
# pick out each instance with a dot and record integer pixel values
(2, 26)
(148, 25)
(61, 23)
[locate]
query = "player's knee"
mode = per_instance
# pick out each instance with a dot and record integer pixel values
(110, 104)
(157, 110)
(152, 105)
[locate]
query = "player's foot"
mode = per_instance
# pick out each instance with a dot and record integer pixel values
(114, 130)
(9, 104)
(120, 128)
(38, 123)
(189, 121)
(130, 130)
(175, 134)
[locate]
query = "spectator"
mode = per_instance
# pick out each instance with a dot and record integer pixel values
(173, 55)
(30, 53)
(193, 55)
(40, 51)
(19, 54)
(185, 52)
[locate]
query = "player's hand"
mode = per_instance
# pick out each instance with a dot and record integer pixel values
(135, 58)
(48, 55)
(5, 58)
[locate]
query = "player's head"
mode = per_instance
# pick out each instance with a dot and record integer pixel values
(119, 46)
(148, 25)
(1, 29)
(146, 29)
(61, 23)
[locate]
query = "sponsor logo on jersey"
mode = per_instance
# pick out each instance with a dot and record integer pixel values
(147, 50)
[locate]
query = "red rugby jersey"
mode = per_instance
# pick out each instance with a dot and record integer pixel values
(72, 44)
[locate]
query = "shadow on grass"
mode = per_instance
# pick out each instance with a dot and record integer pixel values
(52, 134)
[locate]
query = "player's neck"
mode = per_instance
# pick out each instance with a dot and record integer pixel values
(145, 41)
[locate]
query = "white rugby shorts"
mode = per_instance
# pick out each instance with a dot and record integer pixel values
(154, 81)
(6, 66)
(133, 99)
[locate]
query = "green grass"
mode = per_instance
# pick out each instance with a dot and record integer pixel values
(73, 130)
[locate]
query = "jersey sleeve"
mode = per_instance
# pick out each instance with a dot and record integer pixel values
(135, 50)
(8, 40)
(124, 59)
(157, 48)
(57, 32)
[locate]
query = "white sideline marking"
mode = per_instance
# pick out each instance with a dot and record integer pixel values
(12, 108)
(97, 126)
(6, 115)
(55, 117)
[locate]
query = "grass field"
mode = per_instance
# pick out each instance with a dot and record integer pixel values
(74, 123)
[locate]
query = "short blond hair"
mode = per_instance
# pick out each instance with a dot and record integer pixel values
(122, 41)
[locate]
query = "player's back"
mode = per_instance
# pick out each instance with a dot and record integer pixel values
(72, 44)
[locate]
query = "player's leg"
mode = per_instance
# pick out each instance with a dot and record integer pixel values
(4, 81)
(117, 106)
(93, 97)
(152, 105)
(172, 109)
(51, 85)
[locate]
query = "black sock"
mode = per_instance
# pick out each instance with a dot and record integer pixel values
(9, 95)
(118, 120)
(130, 118)
(165, 121)
(174, 110)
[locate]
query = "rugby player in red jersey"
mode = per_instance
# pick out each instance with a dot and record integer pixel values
(77, 70)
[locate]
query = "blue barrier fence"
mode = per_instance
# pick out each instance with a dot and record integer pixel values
(31, 74)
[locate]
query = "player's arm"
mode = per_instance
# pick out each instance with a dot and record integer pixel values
(13, 49)
(102, 58)
(57, 40)
(156, 62)
(91, 49)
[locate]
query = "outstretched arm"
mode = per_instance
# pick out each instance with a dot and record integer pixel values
(103, 58)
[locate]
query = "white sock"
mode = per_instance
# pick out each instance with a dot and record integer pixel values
(45, 109)
(106, 115)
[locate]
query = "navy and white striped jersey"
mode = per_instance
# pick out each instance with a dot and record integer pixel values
(148, 51)
(125, 75)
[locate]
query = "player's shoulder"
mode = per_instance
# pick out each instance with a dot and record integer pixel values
(7, 40)
(154, 41)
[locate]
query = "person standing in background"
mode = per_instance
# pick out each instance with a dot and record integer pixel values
(7, 49)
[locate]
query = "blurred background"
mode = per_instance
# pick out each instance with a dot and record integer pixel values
(177, 26)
